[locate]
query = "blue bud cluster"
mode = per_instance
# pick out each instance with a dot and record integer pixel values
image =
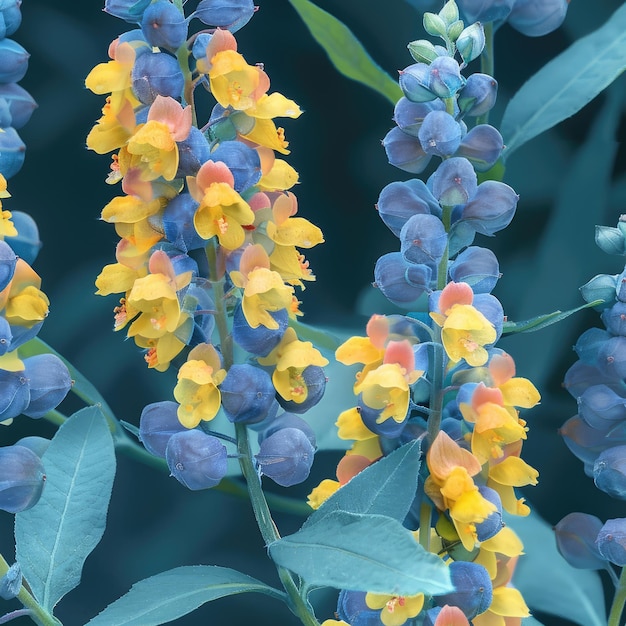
(22, 475)
(597, 433)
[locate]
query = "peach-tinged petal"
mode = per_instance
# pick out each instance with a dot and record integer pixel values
(350, 465)
(445, 454)
(455, 293)
(501, 368)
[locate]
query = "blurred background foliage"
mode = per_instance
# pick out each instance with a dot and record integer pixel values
(569, 179)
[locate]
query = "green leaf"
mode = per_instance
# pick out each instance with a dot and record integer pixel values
(345, 51)
(362, 553)
(541, 321)
(169, 595)
(567, 83)
(54, 538)
(387, 487)
(548, 583)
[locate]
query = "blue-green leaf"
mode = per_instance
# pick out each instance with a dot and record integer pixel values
(345, 51)
(567, 83)
(541, 321)
(54, 538)
(387, 487)
(172, 594)
(548, 583)
(362, 553)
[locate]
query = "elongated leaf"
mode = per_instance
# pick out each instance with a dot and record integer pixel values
(567, 83)
(387, 487)
(362, 553)
(345, 51)
(54, 538)
(541, 321)
(172, 594)
(548, 583)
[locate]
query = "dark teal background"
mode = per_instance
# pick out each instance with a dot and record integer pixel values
(154, 524)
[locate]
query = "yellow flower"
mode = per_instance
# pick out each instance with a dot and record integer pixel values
(395, 610)
(23, 301)
(197, 388)
(386, 388)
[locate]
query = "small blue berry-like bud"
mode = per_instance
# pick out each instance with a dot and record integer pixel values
(11, 582)
(414, 82)
(600, 287)
(470, 42)
(128, 10)
(228, 14)
(14, 394)
(27, 243)
(612, 357)
(485, 10)
(164, 26)
(601, 407)
(535, 18)
(178, 225)
(493, 524)
(196, 460)
(479, 94)
(157, 74)
(399, 281)
(192, 153)
(37, 444)
(49, 381)
(589, 343)
(21, 104)
(314, 379)
(491, 208)
(388, 428)
(287, 420)
(243, 161)
(476, 266)
(482, 147)
(620, 287)
(158, 422)
(611, 541)
(609, 472)
(445, 77)
(614, 318)
(410, 115)
(405, 152)
(22, 478)
(261, 340)
(13, 61)
(440, 134)
(8, 261)
(286, 457)
(492, 309)
(12, 152)
(453, 182)
(473, 589)
(351, 608)
(10, 17)
(576, 536)
(399, 201)
(423, 239)
(247, 393)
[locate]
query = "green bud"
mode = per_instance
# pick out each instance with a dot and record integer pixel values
(600, 287)
(422, 51)
(434, 25)
(610, 240)
(455, 29)
(450, 12)
(471, 42)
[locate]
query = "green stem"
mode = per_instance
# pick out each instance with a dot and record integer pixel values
(617, 608)
(37, 613)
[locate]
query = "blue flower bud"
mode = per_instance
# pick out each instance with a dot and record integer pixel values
(445, 77)
(314, 379)
(22, 478)
(229, 14)
(49, 381)
(129, 10)
(11, 582)
(351, 608)
(247, 393)
(410, 115)
(399, 201)
(14, 394)
(22, 334)
(620, 287)
(405, 152)
(485, 10)
(157, 74)
(535, 18)
(589, 343)
(612, 357)
(158, 422)
(576, 536)
(12, 152)
(476, 266)
(453, 182)
(491, 308)
(491, 208)
(259, 341)
(27, 243)
(614, 318)
(584, 442)
(242, 161)
(21, 104)
(440, 134)
(196, 460)
(479, 94)
(611, 541)
(601, 407)
(471, 42)
(10, 17)
(600, 287)
(388, 428)
(192, 153)
(399, 281)
(423, 239)
(287, 420)
(37, 444)
(414, 81)
(482, 147)
(164, 26)
(286, 457)
(609, 472)
(473, 590)
(8, 261)
(493, 524)
(13, 61)
(178, 225)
